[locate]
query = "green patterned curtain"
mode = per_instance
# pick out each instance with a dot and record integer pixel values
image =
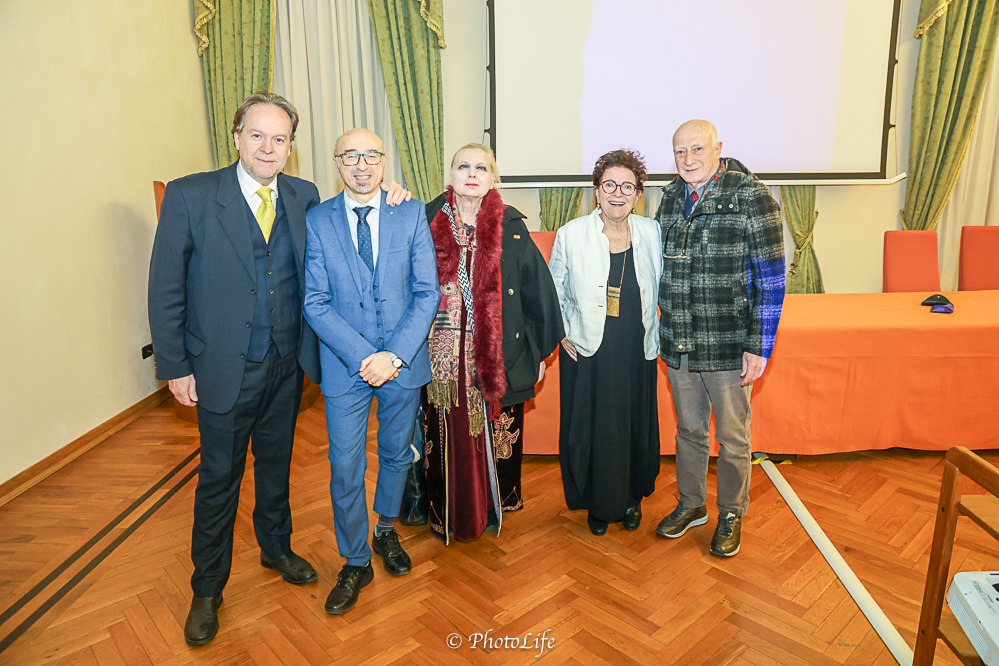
(432, 12)
(236, 45)
(957, 40)
(558, 206)
(798, 202)
(409, 37)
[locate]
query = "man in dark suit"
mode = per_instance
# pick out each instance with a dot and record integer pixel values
(371, 294)
(226, 286)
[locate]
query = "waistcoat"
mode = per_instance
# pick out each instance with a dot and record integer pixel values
(277, 315)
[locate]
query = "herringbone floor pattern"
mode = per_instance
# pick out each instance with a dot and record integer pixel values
(94, 568)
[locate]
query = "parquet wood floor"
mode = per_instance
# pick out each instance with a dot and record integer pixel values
(94, 568)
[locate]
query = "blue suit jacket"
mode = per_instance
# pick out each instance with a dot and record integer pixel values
(202, 282)
(406, 272)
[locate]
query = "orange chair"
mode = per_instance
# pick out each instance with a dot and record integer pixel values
(541, 414)
(910, 261)
(979, 267)
(159, 188)
(545, 240)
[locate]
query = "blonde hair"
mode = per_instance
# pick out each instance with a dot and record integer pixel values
(487, 151)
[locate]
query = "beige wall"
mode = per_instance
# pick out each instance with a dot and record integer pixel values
(100, 99)
(852, 218)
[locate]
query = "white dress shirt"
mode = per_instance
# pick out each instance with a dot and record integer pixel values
(371, 219)
(248, 186)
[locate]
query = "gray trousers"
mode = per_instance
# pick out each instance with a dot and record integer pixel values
(694, 396)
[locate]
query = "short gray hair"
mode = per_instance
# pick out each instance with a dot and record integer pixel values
(264, 98)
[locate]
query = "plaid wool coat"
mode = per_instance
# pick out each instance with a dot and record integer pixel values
(722, 287)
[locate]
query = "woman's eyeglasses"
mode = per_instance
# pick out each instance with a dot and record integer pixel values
(609, 187)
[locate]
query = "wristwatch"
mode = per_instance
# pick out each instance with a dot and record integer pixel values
(396, 361)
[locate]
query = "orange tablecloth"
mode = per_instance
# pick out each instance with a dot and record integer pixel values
(852, 372)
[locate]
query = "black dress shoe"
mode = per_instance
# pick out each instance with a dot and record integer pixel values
(597, 526)
(348, 586)
(394, 558)
(293, 568)
(202, 620)
(632, 517)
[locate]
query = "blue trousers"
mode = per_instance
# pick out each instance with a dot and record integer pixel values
(347, 423)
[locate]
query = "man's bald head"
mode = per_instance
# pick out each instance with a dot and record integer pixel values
(361, 180)
(358, 136)
(697, 125)
(696, 151)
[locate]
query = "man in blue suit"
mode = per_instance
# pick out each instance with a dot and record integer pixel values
(226, 286)
(371, 293)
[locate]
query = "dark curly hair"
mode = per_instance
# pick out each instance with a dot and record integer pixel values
(629, 159)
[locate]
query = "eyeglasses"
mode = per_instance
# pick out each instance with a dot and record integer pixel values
(371, 158)
(609, 187)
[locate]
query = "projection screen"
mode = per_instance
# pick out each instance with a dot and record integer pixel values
(798, 90)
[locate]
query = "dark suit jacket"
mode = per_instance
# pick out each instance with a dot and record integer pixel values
(202, 282)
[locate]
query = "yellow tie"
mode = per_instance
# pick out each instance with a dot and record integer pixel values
(265, 214)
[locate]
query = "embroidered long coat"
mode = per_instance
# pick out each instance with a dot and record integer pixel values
(532, 318)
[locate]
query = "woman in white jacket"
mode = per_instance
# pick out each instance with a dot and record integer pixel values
(606, 267)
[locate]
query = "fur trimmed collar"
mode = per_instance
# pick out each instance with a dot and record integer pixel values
(487, 301)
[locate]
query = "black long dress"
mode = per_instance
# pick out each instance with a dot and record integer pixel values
(609, 428)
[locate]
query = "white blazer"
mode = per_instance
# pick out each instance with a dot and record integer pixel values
(580, 263)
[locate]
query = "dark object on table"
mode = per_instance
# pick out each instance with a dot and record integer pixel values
(936, 299)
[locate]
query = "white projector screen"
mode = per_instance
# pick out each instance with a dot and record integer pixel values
(798, 90)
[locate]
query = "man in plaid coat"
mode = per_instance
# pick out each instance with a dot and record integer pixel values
(720, 298)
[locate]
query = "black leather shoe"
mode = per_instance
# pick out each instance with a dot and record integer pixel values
(293, 568)
(597, 526)
(348, 586)
(394, 558)
(725, 542)
(202, 620)
(632, 517)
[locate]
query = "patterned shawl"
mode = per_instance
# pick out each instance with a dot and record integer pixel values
(485, 375)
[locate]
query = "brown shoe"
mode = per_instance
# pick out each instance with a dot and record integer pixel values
(293, 568)
(725, 542)
(682, 519)
(202, 620)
